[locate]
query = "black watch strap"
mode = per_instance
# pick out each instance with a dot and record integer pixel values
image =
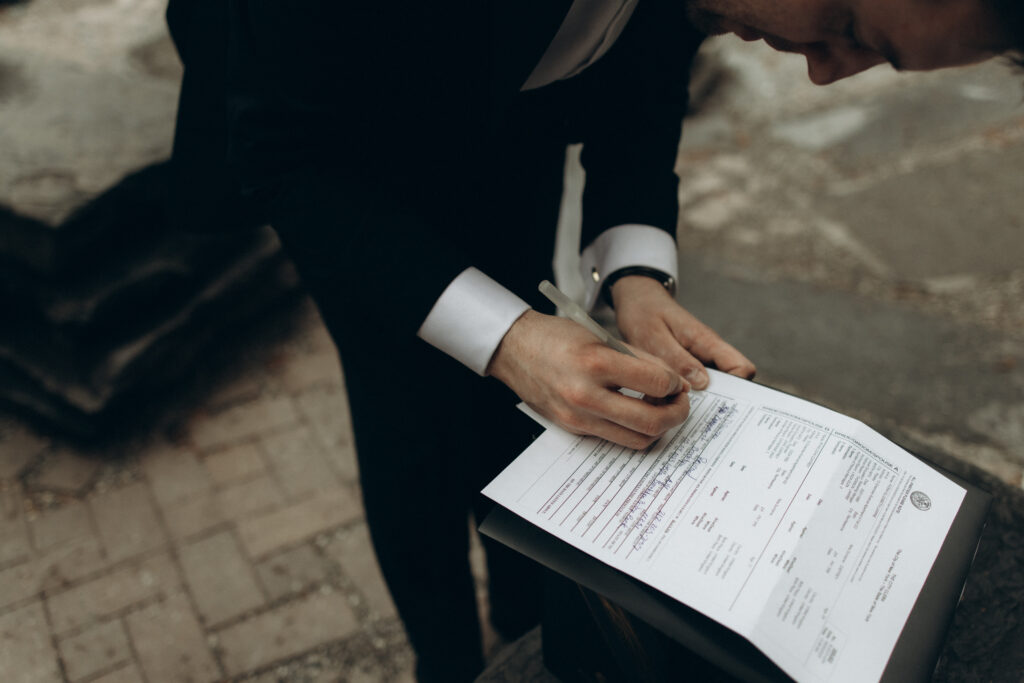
(666, 280)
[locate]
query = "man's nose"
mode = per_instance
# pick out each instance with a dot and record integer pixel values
(828, 64)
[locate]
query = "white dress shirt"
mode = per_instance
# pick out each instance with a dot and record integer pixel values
(474, 312)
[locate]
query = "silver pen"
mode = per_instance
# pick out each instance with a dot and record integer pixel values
(575, 312)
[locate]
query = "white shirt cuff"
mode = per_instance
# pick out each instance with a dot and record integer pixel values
(470, 318)
(622, 247)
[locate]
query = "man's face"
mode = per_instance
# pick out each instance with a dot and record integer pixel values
(842, 37)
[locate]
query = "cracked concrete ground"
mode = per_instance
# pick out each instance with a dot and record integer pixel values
(861, 242)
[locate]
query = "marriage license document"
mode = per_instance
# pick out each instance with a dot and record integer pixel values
(799, 528)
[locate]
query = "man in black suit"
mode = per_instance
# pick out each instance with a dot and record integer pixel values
(410, 157)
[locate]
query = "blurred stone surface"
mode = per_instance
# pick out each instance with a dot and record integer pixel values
(28, 648)
(100, 300)
(87, 94)
(863, 242)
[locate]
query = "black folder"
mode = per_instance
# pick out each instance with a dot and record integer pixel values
(913, 659)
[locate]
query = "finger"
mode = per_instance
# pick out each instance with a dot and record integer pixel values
(666, 346)
(706, 346)
(592, 425)
(725, 357)
(647, 375)
(640, 416)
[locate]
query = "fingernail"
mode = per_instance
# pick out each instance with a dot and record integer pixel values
(697, 377)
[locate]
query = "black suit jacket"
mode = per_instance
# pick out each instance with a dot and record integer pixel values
(386, 110)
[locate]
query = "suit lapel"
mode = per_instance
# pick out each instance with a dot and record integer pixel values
(520, 32)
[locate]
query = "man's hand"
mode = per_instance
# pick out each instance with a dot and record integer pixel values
(566, 374)
(649, 318)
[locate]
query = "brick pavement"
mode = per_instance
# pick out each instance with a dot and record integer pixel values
(226, 544)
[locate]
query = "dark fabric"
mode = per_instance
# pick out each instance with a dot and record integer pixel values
(203, 195)
(389, 146)
(400, 103)
(425, 426)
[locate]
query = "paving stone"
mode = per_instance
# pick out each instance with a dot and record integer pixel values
(299, 462)
(174, 474)
(292, 571)
(27, 651)
(14, 545)
(235, 464)
(326, 408)
(343, 458)
(327, 411)
(304, 371)
(194, 516)
(303, 670)
(127, 522)
(18, 582)
(256, 496)
(67, 471)
(170, 643)
(112, 592)
(72, 522)
(101, 647)
(219, 577)
(18, 447)
(286, 632)
(257, 417)
(54, 565)
(68, 562)
(54, 569)
(126, 674)
(354, 552)
(266, 533)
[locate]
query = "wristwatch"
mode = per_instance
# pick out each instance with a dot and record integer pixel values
(666, 280)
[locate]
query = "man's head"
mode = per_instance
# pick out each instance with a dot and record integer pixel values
(842, 37)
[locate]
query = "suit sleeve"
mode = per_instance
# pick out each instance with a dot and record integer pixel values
(632, 104)
(350, 123)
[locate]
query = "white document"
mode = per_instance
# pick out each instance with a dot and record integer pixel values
(799, 528)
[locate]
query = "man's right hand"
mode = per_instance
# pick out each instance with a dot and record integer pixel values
(567, 375)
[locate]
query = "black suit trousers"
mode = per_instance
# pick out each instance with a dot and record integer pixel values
(429, 432)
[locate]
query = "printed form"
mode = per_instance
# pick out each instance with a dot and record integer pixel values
(801, 529)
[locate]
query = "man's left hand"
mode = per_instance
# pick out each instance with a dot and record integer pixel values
(650, 318)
